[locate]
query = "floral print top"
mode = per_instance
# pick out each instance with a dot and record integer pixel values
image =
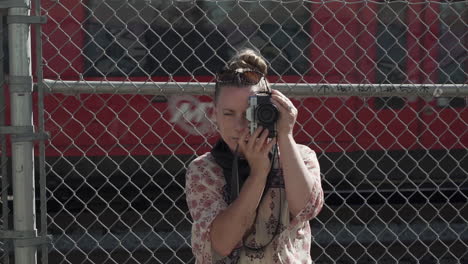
(204, 192)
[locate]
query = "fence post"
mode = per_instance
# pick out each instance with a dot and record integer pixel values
(24, 218)
(4, 257)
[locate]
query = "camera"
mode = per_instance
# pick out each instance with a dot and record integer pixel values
(262, 112)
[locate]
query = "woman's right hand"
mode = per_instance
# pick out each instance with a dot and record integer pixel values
(255, 149)
(231, 225)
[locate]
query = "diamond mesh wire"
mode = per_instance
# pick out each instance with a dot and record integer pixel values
(394, 168)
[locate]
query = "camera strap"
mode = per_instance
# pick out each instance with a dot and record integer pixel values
(235, 176)
(235, 192)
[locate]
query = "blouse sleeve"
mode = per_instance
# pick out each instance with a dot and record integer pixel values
(315, 203)
(204, 194)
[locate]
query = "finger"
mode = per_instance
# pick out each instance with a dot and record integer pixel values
(242, 139)
(285, 103)
(279, 94)
(262, 140)
(280, 104)
(281, 97)
(269, 146)
(253, 138)
(243, 135)
(276, 92)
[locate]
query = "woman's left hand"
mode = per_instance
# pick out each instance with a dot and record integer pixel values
(288, 113)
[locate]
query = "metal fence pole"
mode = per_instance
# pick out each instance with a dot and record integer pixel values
(22, 146)
(3, 158)
(41, 128)
(295, 89)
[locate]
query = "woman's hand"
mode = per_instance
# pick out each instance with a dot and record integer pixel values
(288, 113)
(255, 149)
(231, 224)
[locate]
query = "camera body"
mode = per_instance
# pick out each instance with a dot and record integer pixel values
(262, 112)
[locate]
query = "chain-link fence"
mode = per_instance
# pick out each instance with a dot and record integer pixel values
(381, 87)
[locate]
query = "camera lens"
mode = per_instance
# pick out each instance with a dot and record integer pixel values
(267, 113)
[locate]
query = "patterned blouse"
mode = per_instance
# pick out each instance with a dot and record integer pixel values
(204, 189)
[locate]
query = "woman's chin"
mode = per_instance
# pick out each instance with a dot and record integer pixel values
(231, 144)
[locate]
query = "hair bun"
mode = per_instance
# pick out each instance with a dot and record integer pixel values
(248, 59)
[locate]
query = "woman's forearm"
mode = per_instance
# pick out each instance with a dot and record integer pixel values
(299, 183)
(229, 226)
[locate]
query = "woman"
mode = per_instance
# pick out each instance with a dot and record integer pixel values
(279, 180)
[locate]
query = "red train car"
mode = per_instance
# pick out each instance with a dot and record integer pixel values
(340, 42)
(337, 42)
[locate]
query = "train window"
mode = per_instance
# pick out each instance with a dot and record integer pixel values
(4, 59)
(391, 52)
(452, 54)
(389, 103)
(185, 38)
(451, 102)
(394, 51)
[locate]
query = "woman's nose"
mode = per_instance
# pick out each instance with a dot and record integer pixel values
(241, 123)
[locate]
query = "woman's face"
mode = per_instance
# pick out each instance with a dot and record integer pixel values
(230, 113)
